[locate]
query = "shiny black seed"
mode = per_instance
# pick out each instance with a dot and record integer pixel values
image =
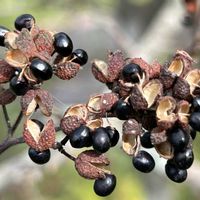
(184, 159)
(194, 120)
(101, 140)
(122, 110)
(145, 139)
(193, 133)
(24, 21)
(63, 44)
(178, 138)
(81, 137)
(104, 187)
(39, 157)
(113, 134)
(196, 104)
(143, 162)
(41, 69)
(3, 31)
(80, 56)
(19, 85)
(39, 123)
(174, 173)
(131, 72)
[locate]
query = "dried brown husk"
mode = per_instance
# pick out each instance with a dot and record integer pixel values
(176, 67)
(193, 79)
(165, 112)
(10, 40)
(125, 88)
(6, 71)
(6, 96)
(94, 124)
(158, 136)
(92, 165)
(165, 150)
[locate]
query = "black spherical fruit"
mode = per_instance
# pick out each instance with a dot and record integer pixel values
(193, 133)
(184, 159)
(101, 140)
(3, 31)
(80, 56)
(41, 69)
(39, 157)
(39, 123)
(131, 72)
(145, 139)
(143, 162)
(122, 110)
(196, 104)
(174, 173)
(105, 186)
(113, 135)
(19, 85)
(194, 120)
(63, 44)
(81, 137)
(24, 21)
(178, 138)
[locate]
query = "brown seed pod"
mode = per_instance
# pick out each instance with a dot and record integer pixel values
(131, 130)
(94, 124)
(165, 150)
(158, 135)
(165, 112)
(6, 96)
(66, 70)
(154, 70)
(181, 89)
(91, 165)
(39, 140)
(101, 103)
(100, 70)
(193, 79)
(10, 40)
(6, 71)
(115, 65)
(79, 110)
(125, 88)
(69, 123)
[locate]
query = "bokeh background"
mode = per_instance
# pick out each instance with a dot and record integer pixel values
(151, 29)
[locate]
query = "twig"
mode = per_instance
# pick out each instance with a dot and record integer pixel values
(5, 113)
(7, 143)
(67, 154)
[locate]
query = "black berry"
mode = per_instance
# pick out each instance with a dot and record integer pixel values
(122, 110)
(101, 140)
(41, 69)
(104, 187)
(143, 162)
(39, 157)
(63, 44)
(81, 137)
(145, 139)
(131, 72)
(80, 56)
(184, 159)
(178, 138)
(194, 120)
(174, 173)
(113, 135)
(19, 85)
(3, 31)
(196, 104)
(24, 21)
(193, 133)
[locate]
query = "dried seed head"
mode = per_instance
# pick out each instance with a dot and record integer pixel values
(66, 70)
(100, 70)
(101, 103)
(165, 150)
(91, 165)
(69, 123)
(95, 123)
(165, 112)
(39, 140)
(193, 79)
(154, 70)
(6, 96)
(158, 135)
(176, 67)
(115, 65)
(125, 88)
(6, 71)
(181, 89)
(10, 40)
(131, 130)
(78, 110)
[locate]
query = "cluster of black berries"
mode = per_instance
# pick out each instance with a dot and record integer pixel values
(37, 48)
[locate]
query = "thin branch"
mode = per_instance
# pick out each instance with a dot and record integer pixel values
(9, 143)
(5, 113)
